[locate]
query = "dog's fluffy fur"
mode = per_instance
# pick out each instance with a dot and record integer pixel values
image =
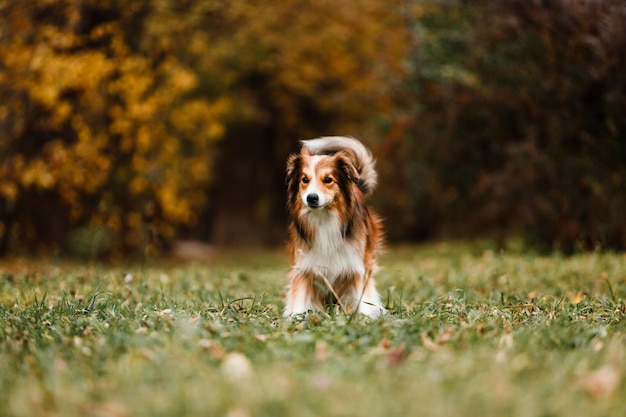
(334, 238)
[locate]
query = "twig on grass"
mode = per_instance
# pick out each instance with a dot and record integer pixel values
(332, 290)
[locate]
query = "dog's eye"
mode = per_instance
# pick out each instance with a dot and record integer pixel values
(305, 180)
(327, 180)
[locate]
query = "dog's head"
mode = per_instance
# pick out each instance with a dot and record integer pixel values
(318, 182)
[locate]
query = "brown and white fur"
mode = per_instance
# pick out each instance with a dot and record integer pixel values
(334, 238)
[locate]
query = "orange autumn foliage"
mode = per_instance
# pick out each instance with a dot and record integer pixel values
(111, 110)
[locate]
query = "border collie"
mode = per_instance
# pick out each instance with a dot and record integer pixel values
(334, 238)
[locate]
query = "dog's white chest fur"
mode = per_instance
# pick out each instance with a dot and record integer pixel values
(330, 254)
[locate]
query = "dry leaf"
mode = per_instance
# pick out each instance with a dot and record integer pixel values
(236, 366)
(260, 337)
(213, 348)
(433, 345)
(384, 344)
(110, 409)
(396, 356)
(321, 351)
(506, 340)
(322, 382)
(601, 384)
(238, 412)
(445, 337)
(428, 343)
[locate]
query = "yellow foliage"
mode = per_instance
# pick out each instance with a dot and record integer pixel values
(106, 121)
(8, 190)
(118, 119)
(37, 174)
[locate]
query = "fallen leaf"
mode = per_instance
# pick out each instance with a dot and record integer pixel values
(445, 337)
(260, 337)
(110, 409)
(321, 351)
(213, 348)
(601, 384)
(321, 382)
(384, 344)
(236, 367)
(506, 340)
(433, 345)
(428, 343)
(238, 412)
(396, 356)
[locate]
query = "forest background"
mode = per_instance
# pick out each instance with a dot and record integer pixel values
(126, 126)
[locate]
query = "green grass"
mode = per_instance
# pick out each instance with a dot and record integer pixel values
(469, 332)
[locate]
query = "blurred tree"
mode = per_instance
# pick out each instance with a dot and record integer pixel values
(519, 121)
(563, 92)
(294, 70)
(126, 125)
(103, 129)
(111, 110)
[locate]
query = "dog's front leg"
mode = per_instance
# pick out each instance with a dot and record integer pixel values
(361, 296)
(302, 294)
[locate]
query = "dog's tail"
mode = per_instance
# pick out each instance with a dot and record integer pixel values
(360, 156)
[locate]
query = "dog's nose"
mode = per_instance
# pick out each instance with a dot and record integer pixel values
(313, 200)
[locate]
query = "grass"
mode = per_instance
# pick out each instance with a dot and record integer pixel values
(469, 332)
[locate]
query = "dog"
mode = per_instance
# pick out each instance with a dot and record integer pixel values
(334, 237)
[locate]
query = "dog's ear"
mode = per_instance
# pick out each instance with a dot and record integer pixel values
(294, 162)
(292, 180)
(346, 167)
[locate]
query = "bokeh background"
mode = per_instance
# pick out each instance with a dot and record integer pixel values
(126, 126)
